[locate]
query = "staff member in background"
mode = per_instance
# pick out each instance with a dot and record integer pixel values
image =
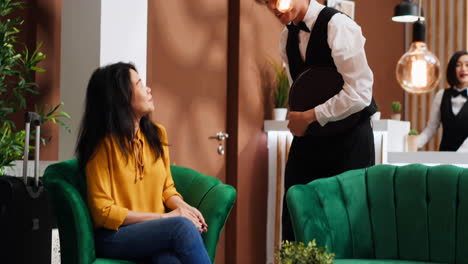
(450, 109)
(338, 39)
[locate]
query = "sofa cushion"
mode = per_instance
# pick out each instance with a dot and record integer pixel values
(111, 261)
(378, 261)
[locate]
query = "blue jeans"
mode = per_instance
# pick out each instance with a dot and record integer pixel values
(169, 240)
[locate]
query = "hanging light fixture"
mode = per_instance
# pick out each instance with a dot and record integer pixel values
(407, 12)
(418, 70)
(283, 5)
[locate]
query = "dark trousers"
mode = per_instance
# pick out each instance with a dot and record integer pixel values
(312, 157)
(171, 240)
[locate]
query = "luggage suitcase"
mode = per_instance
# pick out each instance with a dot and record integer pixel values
(25, 231)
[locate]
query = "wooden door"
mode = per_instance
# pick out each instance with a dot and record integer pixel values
(187, 71)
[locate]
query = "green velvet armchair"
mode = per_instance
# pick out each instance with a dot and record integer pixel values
(386, 214)
(67, 187)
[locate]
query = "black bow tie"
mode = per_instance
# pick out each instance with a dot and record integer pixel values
(295, 28)
(456, 93)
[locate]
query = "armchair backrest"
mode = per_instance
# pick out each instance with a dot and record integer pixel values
(67, 187)
(412, 212)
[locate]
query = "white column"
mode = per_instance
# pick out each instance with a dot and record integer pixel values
(96, 33)
(124, 33)
(274, 209)
(80, 43)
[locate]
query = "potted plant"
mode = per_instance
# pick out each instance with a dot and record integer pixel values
(16, 84)
(281, 92)
(412, 140)
(298, 253)
(396, 109)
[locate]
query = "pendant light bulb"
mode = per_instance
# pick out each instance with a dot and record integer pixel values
(418, 70)
(283, 5)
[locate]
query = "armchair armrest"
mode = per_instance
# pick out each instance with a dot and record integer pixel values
(209, 195)
(74, 221)
(215, 207)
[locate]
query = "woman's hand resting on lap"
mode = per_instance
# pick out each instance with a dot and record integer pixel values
(181, 208)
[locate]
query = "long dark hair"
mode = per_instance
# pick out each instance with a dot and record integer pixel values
(451, 68)
(108, 112)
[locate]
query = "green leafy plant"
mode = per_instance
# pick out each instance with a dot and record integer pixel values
(17, 83)
(53, 114)
(413, 132)
(298, 253)
(282, 86)
(396, 107)
(11, 146)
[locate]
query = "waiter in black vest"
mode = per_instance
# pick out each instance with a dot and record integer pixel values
(315, 34)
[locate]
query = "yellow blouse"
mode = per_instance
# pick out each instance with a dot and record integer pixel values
(116, 185)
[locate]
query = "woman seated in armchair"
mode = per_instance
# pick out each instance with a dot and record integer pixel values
(129, 183)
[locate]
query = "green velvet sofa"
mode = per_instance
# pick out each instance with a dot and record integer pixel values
(67, 187)
(386, 214)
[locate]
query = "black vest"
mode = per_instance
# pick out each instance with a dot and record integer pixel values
(318, 53)
(455, 127)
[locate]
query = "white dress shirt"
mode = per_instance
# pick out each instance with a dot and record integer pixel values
(347, 45)
(434, 119)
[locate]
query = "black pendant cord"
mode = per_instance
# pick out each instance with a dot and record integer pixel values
(420, 7)
(419, 27)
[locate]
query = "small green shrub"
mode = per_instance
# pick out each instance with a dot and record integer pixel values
(298, 253)
(413, 132)
(396, 107)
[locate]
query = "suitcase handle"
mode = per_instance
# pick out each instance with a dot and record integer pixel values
(32, 117)
(35, 118)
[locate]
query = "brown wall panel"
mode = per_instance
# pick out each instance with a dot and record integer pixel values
(258, 44)
(48, 32)
(187, 71)
(42, 23)
(384, 47)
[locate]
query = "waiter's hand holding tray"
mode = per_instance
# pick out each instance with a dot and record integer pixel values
(313, 87)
